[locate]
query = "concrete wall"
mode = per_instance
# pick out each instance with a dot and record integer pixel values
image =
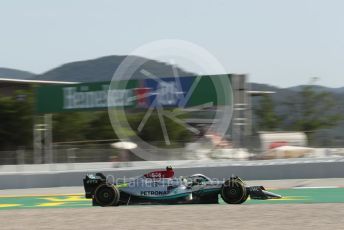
(249, 171)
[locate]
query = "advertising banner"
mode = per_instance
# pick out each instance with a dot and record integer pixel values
(142, 93)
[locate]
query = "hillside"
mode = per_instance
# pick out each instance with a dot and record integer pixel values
(14, 73)
(102, 69)
(318, 88)
(284, 95)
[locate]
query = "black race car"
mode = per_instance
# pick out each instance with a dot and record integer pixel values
(194, 189)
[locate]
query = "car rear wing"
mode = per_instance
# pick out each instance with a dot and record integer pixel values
(91, 182)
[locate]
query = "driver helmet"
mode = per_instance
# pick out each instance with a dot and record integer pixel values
(169, 168)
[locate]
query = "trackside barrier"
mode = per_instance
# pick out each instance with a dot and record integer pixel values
(248, 170)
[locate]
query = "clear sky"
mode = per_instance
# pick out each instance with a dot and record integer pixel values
(282, 43)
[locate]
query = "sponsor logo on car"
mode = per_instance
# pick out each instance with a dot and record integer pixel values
(153, 193)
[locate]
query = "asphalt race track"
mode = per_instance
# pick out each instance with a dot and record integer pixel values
(290, 196)
(305, 207)
(264, 216)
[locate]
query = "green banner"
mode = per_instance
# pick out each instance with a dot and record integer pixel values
(168, 92)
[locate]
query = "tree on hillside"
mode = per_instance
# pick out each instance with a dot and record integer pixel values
(69, 126)
(268, 120)
(99, 128)
(16, 115)
(311, 111)
(152, 131)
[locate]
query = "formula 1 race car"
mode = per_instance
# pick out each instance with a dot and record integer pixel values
(194, 189)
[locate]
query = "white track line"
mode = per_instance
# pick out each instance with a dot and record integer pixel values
(316, 187)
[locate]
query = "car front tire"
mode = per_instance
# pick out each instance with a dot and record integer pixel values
(234, 192)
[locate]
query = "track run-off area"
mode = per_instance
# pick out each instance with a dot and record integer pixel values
(297, 195)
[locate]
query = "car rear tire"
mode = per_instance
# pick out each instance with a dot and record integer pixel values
(107, 195)
(234, 191)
